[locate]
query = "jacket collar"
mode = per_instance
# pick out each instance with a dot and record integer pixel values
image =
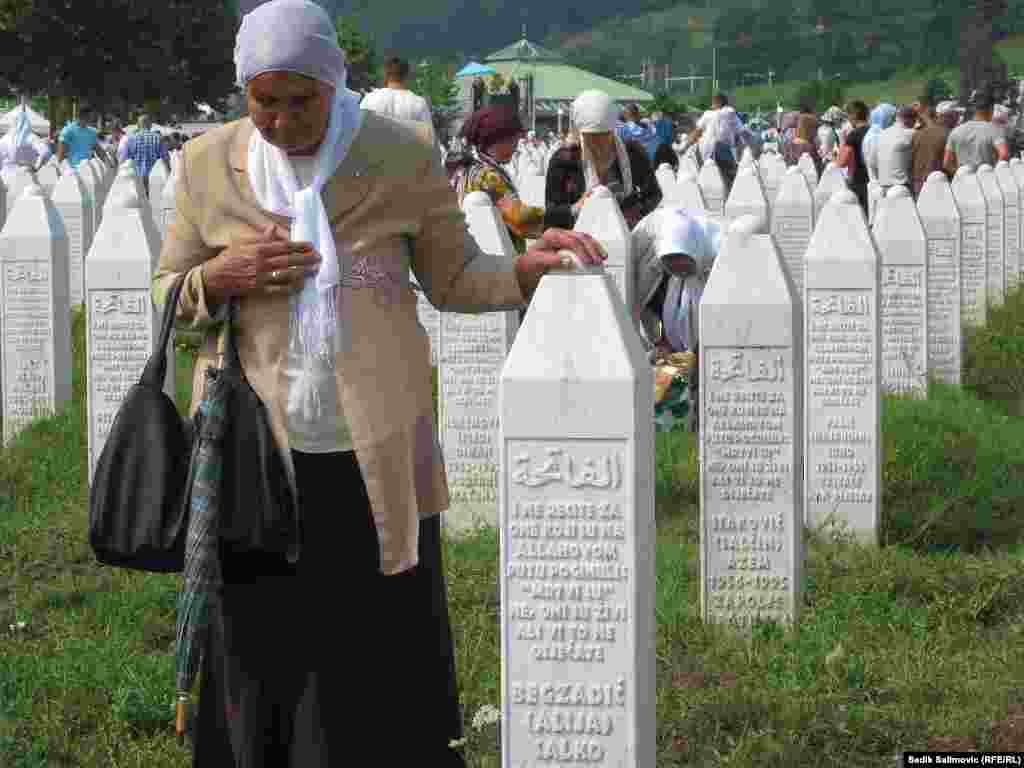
(348, 187)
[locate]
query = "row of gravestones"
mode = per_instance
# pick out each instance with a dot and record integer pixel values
(972, 232)
(933, 261)
(95, 239)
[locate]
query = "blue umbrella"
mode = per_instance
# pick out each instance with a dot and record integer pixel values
(474, 68)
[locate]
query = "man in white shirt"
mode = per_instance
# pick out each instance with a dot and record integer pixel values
(707, 131)
(893, 151)
(395, 99)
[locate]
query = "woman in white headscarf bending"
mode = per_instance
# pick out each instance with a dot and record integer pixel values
(311, 213)
(673, 250)
(21, 147)
(601, 158)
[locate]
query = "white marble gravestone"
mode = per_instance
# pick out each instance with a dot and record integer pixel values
(973, 247)
(601, 218)
(747, 199)
(472, 350)
(578, 537)
(667, 183)
(429, 318)
(91, 182)
(903, 250)
(1011, 222)
(21, 180)
(690, 195)
(122, 323)
(158, 176)
(713, 186)
(73, 200)
(773, 168)
(806, 166)
(3, 202)
(532, 190)
(832, 181)
(688, 164)
(941, 221)
(1017, 169)
(750, 448)
(792, 224)
(875, 195)
(168, 206)
(35, 348)
(127, 175)
(842, 343)
(995, 208)
(48, 177)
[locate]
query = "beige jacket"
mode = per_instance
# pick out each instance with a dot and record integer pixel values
(389, 203)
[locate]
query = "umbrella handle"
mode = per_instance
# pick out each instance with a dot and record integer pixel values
(179, 724)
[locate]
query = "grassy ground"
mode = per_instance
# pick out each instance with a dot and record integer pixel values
(919, 644)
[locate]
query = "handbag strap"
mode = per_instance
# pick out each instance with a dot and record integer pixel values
(156, 369)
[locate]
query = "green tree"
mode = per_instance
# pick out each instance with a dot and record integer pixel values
(360, 55)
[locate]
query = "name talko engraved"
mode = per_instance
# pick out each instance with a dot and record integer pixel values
(28, 387)
(120, 345)
(841, 460)
(568, 543)
(748, 436)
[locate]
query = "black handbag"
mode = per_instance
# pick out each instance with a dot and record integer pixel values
(257, 511)
(142, 488)
(136, 516)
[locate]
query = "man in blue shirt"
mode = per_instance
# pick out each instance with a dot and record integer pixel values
(77, 141)
(145, 147)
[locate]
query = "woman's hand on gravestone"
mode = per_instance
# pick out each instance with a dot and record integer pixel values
(269, 263)
(545, 256)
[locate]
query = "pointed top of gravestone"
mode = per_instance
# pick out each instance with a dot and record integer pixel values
(898, 230)
(1002, 164)
(127, 196)
(34, 190)
(127, 170)
(747, 300)
(841, 234)
(474, 199)
(898, 191)
(964, 170)
(665, 167)
(70, 188)
(794, 190)
(985, 168)
(937, 177)
(601, 193)
(688, 177)
(746, 227)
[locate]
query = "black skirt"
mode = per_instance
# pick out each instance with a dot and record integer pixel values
(317, 664)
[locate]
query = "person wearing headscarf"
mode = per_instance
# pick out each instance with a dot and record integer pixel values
(787, 126)
(21, 147)
(310, 213)
(882, 117)
(674, 250)
(803, 144)
(492, 134)
(600, 158)
(635, 129)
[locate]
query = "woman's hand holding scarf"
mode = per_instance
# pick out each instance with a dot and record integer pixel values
(544, 256)
(270, 263)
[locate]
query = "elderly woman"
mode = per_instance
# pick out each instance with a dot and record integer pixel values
(601, 158)
(674, 250)
(492, 134)
(347, 646)
(21, 147)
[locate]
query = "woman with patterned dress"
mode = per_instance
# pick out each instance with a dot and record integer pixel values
(493, 135)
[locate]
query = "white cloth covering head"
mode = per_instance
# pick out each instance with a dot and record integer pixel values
(945, 107)
(698, 237)
(594, 112)
(298, 36)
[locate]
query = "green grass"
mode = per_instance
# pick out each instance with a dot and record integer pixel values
(914, 645)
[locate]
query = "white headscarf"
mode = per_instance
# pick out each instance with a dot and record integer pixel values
(697, 237)
(595, 112)
(298, 36)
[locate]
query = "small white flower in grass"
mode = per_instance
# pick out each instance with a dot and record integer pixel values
(486, 715)
(19, 625)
